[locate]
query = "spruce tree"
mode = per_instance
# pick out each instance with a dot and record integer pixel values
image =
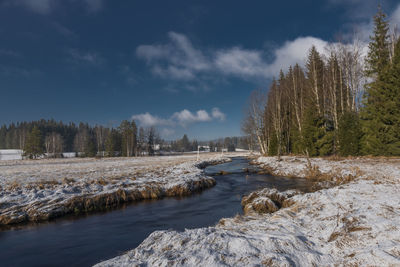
(378, 54)
(379, 112)
(34, 146)
(310, 132)
(349, 134)
(392, 105)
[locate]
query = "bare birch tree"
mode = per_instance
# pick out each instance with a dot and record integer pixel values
(253, 123)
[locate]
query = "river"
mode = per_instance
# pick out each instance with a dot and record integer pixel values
(86, 240)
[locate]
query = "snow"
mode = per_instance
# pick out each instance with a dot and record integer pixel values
(37, 190)
(354, 223)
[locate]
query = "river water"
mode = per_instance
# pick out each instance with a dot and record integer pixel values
(86, 240)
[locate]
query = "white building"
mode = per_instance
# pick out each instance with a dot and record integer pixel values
(10, 154)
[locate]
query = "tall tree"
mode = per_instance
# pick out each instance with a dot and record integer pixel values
(128, 132)
(378, 54)
(150, 141)
(378, 101)
(34, 146)
(315, 77)
(253, 123)
(54, 144)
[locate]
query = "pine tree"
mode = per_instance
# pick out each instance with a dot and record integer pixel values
(349, 134)
(34, 146)
(110, 145)
(310, 132)
(315, 77)
(391, 118)
(150, 141)
(378, 54)
(379, 111)
(3, 132)
(90, 148)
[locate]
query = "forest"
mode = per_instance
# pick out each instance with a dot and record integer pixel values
(345, 102)
(53, 138)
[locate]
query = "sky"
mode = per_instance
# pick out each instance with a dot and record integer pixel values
(182, 66)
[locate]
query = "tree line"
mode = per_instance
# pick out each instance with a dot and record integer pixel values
(53, 138)
(340, 104)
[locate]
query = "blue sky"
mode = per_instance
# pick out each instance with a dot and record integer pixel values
(182, 66)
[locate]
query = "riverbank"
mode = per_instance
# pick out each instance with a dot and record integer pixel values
(39, 190)
(355, 222)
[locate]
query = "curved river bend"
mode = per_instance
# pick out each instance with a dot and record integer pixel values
(87, 240)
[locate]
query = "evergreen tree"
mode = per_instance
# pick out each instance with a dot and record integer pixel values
(185, 143)
(34, 146)
(110, 145)
(128, 132)
(394, 106)
(310, 132)
(113, 143)
(150, 141)
(90, 148)
(3, 132)
(378, 54)
(380, 113)
(349, 134)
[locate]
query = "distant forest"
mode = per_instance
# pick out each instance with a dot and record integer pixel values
(344, 103)
(53, 138)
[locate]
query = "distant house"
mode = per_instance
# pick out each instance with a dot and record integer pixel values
(10, 154)
(69, 154)
(156, 147)
(204, 148)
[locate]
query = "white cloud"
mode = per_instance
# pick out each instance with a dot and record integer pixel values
(293, 52)
(240, 62)
(186, 117)
(180, 60)
(148, 120)
(217, 114)
(182, 118)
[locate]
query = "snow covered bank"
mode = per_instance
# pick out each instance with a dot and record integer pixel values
(38, 190)
(355, 223)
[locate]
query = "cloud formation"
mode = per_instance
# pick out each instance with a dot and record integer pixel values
(182, 118)
(180, 60)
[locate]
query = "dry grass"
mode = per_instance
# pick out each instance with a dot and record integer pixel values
(14, 186)
(67, 180)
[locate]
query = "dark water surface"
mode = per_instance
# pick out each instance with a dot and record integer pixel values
(87, 240)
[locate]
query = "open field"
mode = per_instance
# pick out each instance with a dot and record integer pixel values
(355, 222)
(38, 190)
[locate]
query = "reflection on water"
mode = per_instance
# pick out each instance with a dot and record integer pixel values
(90, 239)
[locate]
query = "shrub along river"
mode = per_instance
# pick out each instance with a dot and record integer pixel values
(86, 240)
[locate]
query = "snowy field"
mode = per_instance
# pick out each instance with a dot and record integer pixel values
(354, 223)
(38, 190)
